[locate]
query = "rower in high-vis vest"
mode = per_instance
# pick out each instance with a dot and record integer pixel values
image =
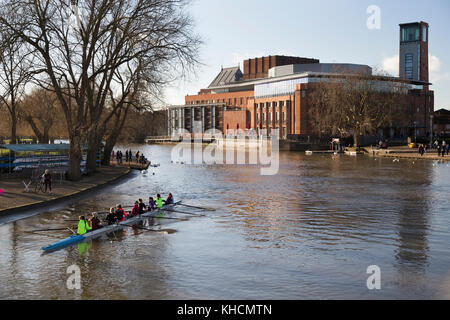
(159, 201)
(83, 226)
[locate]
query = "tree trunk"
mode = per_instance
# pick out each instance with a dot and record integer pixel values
(13, 129)
(355, 140)
(75, 157)
(92, 151)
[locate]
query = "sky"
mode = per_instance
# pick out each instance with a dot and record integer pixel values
(329, 30)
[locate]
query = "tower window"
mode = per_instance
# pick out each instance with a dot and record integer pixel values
(409, 66)
(424, 34)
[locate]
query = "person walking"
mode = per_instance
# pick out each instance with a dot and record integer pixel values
(47, 177)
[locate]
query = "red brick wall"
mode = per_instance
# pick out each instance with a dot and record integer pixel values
(259, 67)
(241, 98)
(234, 120)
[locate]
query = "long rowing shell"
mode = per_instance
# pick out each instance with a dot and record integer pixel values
(105, 230)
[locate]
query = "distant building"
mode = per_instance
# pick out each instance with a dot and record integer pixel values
(442, 122)
(272, 92)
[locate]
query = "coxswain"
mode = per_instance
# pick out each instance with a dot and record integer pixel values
(95, 222)
(169, 199)
(111, 217)
(159, 201)
(151, 204)
(142, 207)
(83, 226)
(135, 210)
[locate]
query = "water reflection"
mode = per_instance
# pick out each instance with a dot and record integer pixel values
(310, 231)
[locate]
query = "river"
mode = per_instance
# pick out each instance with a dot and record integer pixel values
(309, 232)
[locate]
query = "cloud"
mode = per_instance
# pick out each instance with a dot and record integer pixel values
(437, 73)
(390, 65)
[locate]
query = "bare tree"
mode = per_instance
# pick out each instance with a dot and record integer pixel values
(41, 111)
(357, 104)
(87, 49)
(14, 76)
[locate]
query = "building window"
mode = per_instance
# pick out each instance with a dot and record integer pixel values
(424, 34)
(284, 117)
(411, 33)
(409, 66)
(284, 132)
(303, 93)
(242, 101)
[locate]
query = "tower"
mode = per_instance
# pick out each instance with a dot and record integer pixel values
(414, 51)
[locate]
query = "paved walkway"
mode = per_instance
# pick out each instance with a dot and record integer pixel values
(407, 153)
(15, 198)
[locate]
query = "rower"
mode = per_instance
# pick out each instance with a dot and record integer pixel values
(111, 217)
(120, 213)
(142, 207)
(135, 210)
(94, 221)
(159, 201)
(83, 226)
(151, 204)
(169, 199)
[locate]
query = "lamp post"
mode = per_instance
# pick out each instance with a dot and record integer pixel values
(431, 131)
(415, 132)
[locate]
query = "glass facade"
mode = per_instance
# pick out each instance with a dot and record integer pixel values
(280, 88)
(410, 33)
(287, 87)
(409, 66)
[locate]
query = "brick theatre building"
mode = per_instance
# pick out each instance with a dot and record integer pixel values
(272, 92)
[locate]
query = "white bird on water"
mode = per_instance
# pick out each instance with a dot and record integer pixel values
(396, 160)
(144, 172)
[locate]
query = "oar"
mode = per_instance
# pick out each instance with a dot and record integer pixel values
(43, 235)
(206, 209)
(167, 231)
(45, 230)
(184, 212)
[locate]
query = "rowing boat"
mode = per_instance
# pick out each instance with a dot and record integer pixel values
(106, 230)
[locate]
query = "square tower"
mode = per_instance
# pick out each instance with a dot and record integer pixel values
(414, 51)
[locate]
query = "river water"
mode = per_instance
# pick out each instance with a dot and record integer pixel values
(309, 232)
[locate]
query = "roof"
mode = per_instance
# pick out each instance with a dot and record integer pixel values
(227, 76)
(36, 147)
(312, 74)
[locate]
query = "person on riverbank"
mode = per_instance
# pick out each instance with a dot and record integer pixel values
(421, 150)
(151, 204)
(47, 177)
(439, 150)
(137, 156)
(126, 156)
(83, 226)
(111, 217)
(448, 149)
(159, 201)
(94, 222)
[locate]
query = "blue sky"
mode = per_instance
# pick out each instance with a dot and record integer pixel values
(332, 31)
